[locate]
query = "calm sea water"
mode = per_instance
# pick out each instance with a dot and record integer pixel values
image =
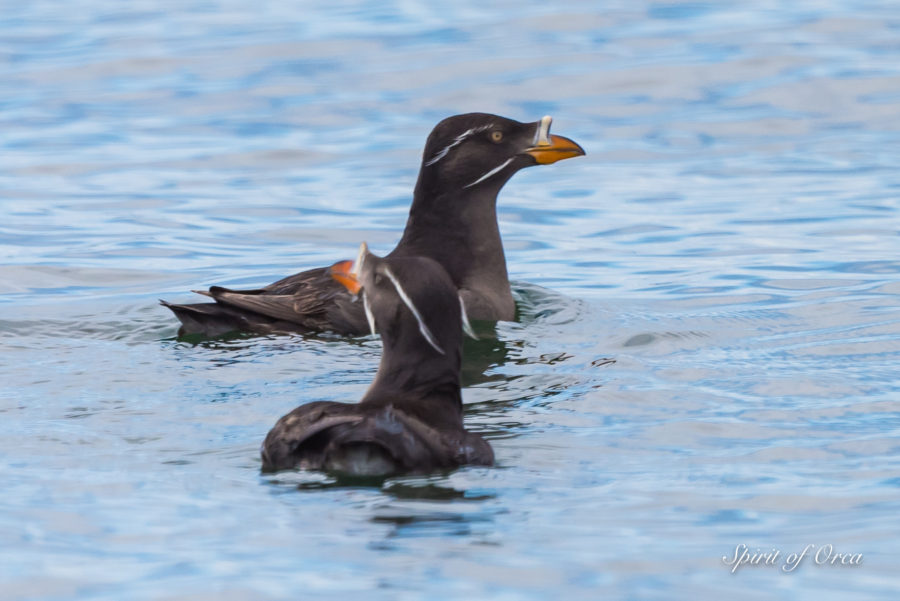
(710, 334)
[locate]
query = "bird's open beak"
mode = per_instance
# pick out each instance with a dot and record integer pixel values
(548, 148)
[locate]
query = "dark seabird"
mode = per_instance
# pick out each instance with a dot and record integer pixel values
(411, 418)
(453, 220)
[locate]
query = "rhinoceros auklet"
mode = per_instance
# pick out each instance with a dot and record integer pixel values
(453, 220)
(410, 420)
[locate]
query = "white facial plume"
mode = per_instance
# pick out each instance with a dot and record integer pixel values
(423, 328)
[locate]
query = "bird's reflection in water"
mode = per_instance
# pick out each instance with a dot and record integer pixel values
(410, 506)
(397, 487)
(430, 491)
(418, 507)
(480, 355)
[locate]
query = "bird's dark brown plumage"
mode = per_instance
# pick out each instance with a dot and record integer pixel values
(467, 160)
(410, 419)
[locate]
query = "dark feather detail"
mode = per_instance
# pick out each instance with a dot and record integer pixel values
(366, 440)
(310, 301)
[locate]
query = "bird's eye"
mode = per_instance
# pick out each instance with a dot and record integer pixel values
(377, 279)
(496, 136)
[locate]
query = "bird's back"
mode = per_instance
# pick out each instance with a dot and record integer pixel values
(367, 440)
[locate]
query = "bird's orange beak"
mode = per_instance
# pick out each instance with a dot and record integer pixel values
(547, 148)
(559, 148)
(342, 272)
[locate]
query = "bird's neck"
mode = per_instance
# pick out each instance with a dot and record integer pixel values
(419, 381)
(459, 230)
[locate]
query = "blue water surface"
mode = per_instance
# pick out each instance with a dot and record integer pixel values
(708, 348)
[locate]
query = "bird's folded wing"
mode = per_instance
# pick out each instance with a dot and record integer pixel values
(288, 307)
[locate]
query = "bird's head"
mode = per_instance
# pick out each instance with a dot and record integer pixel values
(482, 150)
(410, 301)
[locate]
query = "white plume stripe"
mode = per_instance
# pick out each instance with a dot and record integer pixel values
(490, 173)
(456, 141)
(408, 301)
(467, 327)
(369, 317)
